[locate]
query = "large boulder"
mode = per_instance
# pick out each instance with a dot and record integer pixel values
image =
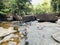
(28, 18)
(51, 17)
(46, 17)
(41, 17)
(17, 18)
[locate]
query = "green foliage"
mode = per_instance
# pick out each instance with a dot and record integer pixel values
(55, 5)
(43, 8)
(24, 7)
(1, 7)
(21, 7)
(9, 6)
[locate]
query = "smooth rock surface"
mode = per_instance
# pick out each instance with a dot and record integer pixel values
(58, 21)
(40, 33)
(56, 36)
(4, 31)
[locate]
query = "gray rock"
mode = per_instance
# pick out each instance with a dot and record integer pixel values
(56, 37)
(46, 18)
(17, 18)
(28, 18)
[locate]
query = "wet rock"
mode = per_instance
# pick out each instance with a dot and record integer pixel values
(26, 43)
(7, 38)
(6, 25)
(28, 18)
(16, 28)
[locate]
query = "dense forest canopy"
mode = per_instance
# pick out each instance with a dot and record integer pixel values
(25, 7)
(15, 6)
(56, 5)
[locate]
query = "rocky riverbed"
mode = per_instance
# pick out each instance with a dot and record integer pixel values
(41, 33)
(37, 33)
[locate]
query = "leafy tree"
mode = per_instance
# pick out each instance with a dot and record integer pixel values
(23, 7)
(43, 8)
(8, 8)
(55, 5)
(1, 7)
